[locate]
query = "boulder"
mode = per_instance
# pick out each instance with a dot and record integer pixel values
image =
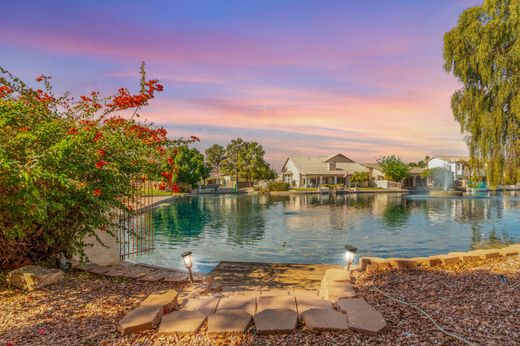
(33, 277)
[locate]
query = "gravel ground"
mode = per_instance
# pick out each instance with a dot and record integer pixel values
(480, 303)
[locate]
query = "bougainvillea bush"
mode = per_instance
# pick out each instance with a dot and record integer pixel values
(66, 165)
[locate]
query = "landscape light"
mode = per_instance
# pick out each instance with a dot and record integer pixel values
(188, 263)
(350, 252)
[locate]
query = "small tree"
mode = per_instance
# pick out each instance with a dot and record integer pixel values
(214, 157)
(359, 177)
(187, 166)
(394, 168)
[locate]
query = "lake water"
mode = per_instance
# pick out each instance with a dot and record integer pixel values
(314, 228)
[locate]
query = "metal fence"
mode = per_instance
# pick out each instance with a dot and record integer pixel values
(136, 232)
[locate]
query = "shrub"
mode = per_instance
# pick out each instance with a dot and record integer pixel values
(67, 165)
(278, 186)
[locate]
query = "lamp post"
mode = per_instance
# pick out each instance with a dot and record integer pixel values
(350, 253)
(186, 257)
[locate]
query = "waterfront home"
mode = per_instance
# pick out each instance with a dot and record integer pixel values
(458, 165)
(313, 171)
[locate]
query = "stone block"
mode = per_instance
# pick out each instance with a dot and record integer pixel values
(229, 322)
(365, 261)
(276, 321)
(305, 303)
(151, 277)
(509, 251)
(377, 264)
(181, 322)
(486, 253)
(141, 319)
(361, 316)
(204, 305)
(276, 302)
(465, 256)
(245, 303)
(167, 299)
(402, 263)
(176, 278)
(433, 261)
(324, 320)
(33, 277)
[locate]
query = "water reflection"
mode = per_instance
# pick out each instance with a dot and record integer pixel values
(313, 228)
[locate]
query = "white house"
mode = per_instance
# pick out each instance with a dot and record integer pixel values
(458, 165)
(316, 170)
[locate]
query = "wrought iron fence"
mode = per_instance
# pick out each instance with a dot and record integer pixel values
(136, 234)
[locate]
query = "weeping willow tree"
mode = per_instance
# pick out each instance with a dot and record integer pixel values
(483, 52)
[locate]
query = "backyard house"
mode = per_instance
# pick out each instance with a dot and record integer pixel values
(313, 171)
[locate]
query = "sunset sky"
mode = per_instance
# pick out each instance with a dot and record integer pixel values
(363, 78)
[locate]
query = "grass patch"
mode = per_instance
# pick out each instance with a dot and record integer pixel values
(304, 189)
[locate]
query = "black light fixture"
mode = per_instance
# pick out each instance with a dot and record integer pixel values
(188, 263)
(350, 253)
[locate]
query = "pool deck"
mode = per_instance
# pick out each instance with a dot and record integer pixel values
(253, 275)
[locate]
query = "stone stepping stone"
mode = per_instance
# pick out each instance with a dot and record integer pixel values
(176, 278)
(114, 273)
(247, 293)
(181, 322)
(276, 321)
(244, 303)
(151, 277)
(306, 303)
(304, 293)
(97, 269)
(276, 302)
(338, 275)
(229, 322)
(275, 292)
(362, 316)
(205, 305)
(402, 263)
(134, 275)
(324, 320)
(340, 292)
(167, 299)
(140, 319)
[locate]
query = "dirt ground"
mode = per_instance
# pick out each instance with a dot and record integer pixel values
(480, 302)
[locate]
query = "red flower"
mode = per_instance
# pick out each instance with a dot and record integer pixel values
(97, 137)
(86, 99)
(101, 163)
(24, 129)
(162, 185)
(41, 331)
(42, 96)
(101, 152)
(5, 90)
(195, 138)
(42, 77)
(97, 193)
(167, 175)
(72, 131)
(170, 161)
(176, 188)
(160, 150)
(10, 343)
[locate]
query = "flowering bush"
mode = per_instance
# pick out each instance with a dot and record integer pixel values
(66, 165)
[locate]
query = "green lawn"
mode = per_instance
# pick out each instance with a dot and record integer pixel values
(304, 189)
(369, 188)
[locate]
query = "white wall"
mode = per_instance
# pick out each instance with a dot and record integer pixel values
(438, 163)
(291, 168)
